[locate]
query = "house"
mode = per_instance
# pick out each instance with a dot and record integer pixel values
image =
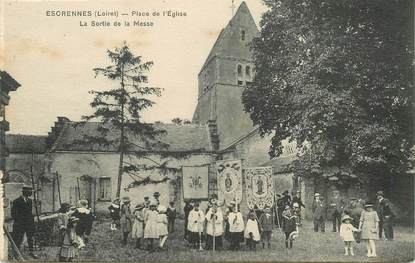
(90, 171)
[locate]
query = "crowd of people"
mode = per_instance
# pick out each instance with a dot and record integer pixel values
(150, 223)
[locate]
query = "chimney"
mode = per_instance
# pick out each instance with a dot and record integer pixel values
(213, 132)
(56, 130)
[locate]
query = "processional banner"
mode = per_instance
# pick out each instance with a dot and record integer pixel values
(259, 187)
(195, 182)
(229, 179)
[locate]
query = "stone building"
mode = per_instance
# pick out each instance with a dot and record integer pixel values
(7, 84)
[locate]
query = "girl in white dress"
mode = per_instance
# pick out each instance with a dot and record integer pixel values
(346, 233)
(150, 230)
(162, 225)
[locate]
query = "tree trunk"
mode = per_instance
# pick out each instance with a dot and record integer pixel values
(121, 164)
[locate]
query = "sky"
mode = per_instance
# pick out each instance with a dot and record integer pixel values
(53, 57)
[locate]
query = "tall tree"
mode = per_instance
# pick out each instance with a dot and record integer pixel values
(120, 109)
(337, 77)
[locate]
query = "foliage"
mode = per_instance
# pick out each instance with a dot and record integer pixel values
(121, 108)
(180, 121)
(337, 77)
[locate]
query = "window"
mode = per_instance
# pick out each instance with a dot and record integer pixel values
(248, 72)
(239, 71)
(243, 35)
(104, 189)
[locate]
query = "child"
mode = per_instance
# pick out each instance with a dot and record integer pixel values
(265, 223)
(162, 225)
(125, 219)
(137, 232)
(150, 229)
(369, 225)
(214, 227)
(252, 231)
(69, 247)
(114, 209)
(236, 227)
(346, 233)
(171, 216)
(195, 225)
(85, 220)
(289, 226)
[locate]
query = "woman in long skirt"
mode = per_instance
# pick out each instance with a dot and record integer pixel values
(137, 232)
(150, 231)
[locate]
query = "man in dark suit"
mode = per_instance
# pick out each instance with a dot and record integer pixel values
(21, 212)
(386, 216)
(337, 205)
(319, 213)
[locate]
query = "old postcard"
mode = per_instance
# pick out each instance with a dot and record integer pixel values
(214, 130)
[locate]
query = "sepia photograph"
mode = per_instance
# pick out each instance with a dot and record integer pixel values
(213, 130)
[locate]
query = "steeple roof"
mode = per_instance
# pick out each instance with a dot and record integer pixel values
(242, 17)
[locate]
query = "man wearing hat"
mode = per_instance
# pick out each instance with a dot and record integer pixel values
(297, 200)
(319, 213)
(386, 215)
(336, 207)
(126, 219)
(24, 223)
(156, 196)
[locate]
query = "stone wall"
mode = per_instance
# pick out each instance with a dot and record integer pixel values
(71, 166)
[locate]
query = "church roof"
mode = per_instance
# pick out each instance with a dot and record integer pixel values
(19, 143)
(220, 44)
(180, 138)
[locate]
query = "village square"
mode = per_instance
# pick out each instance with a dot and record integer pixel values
(296, 151)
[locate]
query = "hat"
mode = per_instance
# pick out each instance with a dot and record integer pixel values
(336, 192)
(293, 235)
(316, 194)
(285, 192)
(83, 202)
(139, 206)
(156, 194)
(27, 188)
(295, 205)
(146, 198)
(126, 199)
(345, 217)
(153, 204)
(73, 219)
(161, 208)
(379, 193)
(368, 205)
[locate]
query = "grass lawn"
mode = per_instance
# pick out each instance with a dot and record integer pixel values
(309, 246)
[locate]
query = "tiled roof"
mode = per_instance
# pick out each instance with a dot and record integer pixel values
(180, 138)
(18, 143)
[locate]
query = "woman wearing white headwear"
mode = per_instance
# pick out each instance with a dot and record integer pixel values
(150, 229)
(214, 227)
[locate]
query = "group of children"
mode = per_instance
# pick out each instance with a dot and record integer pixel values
(231, 224)
(148, 223)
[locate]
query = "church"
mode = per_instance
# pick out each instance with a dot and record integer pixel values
(221, 135)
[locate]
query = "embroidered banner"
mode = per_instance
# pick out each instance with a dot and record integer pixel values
(259, 187)
(195, 182)
(229, 180)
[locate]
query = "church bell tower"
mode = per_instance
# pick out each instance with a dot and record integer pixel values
(224, 75)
